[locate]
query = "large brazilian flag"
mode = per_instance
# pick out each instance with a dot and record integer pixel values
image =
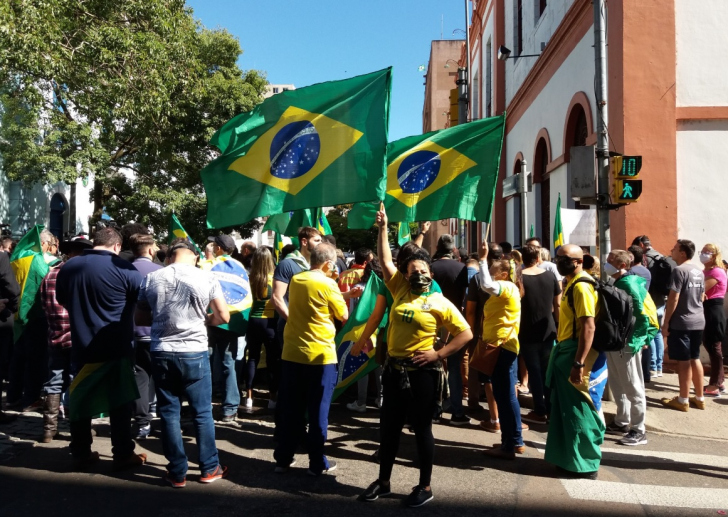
(30, 268)
(235, 288)
(448, 173)
(288, 224)
(351, 368)
(320, 145)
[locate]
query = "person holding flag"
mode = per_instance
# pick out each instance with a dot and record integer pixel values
(413, 377)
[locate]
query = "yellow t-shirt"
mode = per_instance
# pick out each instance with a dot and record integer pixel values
(263, 307)
(585, 303)
(415, 318)
(502, 317)
(314, 302)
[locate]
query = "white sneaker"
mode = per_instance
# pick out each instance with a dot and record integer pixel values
(248, 405)
(653, 373)
(659, 373)
(354, 406)
(271, 404)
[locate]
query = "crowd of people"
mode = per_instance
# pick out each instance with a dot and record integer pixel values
(460, 329)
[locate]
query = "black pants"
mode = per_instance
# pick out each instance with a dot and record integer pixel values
(122, 445)
(145, 384)
(262, 331)
(415, 406)
(29, 364)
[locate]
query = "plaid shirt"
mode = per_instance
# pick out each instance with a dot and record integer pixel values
(59, 324)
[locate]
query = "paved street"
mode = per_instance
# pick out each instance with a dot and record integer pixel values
(675, 474)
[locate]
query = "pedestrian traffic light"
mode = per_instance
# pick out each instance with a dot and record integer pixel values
(626, 169)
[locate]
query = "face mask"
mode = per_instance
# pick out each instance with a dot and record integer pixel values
(419, 282)
(705, 258)
(610, 269)
(565, 265)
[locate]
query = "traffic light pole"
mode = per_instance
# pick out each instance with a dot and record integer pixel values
(602, 148)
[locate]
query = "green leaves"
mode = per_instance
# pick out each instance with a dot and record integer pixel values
(115, 91)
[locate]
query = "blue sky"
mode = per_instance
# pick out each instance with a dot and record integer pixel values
(309, 41)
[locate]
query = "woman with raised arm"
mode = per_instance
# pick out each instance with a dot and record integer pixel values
(413, 376)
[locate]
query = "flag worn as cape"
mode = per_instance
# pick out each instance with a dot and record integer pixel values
(176, 231)
(448, 173)
(235, 288)
(100, 387)
(30, 268)
(321, 145)
(558, 228)
(351, 368)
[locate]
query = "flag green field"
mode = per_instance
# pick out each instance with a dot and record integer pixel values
(317, 146)
(177, 231)
(288, 224)
(448, 173)
(30, 268)
(558, 228)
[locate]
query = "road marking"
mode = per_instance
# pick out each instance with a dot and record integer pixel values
(654, 495)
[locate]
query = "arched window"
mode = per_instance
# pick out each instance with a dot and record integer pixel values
(58, 219)
(540, 178)
(517, 207)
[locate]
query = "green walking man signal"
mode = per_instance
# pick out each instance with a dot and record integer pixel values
(626, 169)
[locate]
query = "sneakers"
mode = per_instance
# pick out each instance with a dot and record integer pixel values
(459, 420)
(374, 492)
(174, 483)
(282, 469)
(420, 496)
(534, 418)
(210, 477)
(673, 403)
(332, 467)
(491, 427)
(633, 437)
(226, 419)
(248, 405)
(617, 429)
(354, 406)
(711, 391)
(659, 373)
(697, 404)
(81, 464)
(143, 432)
(134, 460)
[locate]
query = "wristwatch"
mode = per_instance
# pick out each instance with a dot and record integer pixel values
(577, 365)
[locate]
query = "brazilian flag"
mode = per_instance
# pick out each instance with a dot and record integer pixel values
(235, 289)
(278, 245)
(403, 234)
(448, 173)
(176, 231)
(317, 146)
(30, 268)
(100, 387)
(558, 228)
(288, 224)
(351, 368)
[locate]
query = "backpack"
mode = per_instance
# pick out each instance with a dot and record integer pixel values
(614, 321)
(661, 271)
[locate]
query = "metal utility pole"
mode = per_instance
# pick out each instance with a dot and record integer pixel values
(602, 149)
(523, 189)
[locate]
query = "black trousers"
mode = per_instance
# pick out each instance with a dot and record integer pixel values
(416, 406)
(122, 446)
(144, 382)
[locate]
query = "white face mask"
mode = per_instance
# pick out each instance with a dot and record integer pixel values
(610, 269)
(705, 257)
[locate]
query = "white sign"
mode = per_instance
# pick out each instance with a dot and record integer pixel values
(580, 226)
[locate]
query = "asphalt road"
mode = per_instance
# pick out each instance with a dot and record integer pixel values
(673, 475)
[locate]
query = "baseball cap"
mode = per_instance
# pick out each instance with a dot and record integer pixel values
(224, 241)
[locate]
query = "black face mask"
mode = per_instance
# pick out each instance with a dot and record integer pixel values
(565, 265)
(419, 283)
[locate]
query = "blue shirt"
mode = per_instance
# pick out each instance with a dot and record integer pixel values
(286, 270)
(99, 290)
(643, 272)
(145, 266)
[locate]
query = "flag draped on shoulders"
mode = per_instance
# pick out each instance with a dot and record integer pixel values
(448, 173)
(235, 288)
(351, 368)
(177, 231)
(30, 268)
(100, 387)
(320, 145)
(558, 228)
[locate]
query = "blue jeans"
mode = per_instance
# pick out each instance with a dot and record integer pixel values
(657, 345)
(225, 346)
(536, 356)
(305, 388)
(187, 375)
(455, 382)
(504, 379)
(59, 364)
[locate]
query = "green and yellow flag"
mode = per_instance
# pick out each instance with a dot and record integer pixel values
(403, 235)
(317, 146)
(278, 246)
(448, 173)
(100, 387)
(558, 228)
(176, 231)
(288, 224)
(30, 268)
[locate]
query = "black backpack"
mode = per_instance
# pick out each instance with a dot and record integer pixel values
(661, 271)
(614, 321)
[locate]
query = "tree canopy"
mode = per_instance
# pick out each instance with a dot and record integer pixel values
(127, 94)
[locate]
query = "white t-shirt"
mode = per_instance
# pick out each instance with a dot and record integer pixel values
(178, 296)
(550, 266)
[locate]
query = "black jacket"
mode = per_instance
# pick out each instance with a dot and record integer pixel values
(9, 289)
